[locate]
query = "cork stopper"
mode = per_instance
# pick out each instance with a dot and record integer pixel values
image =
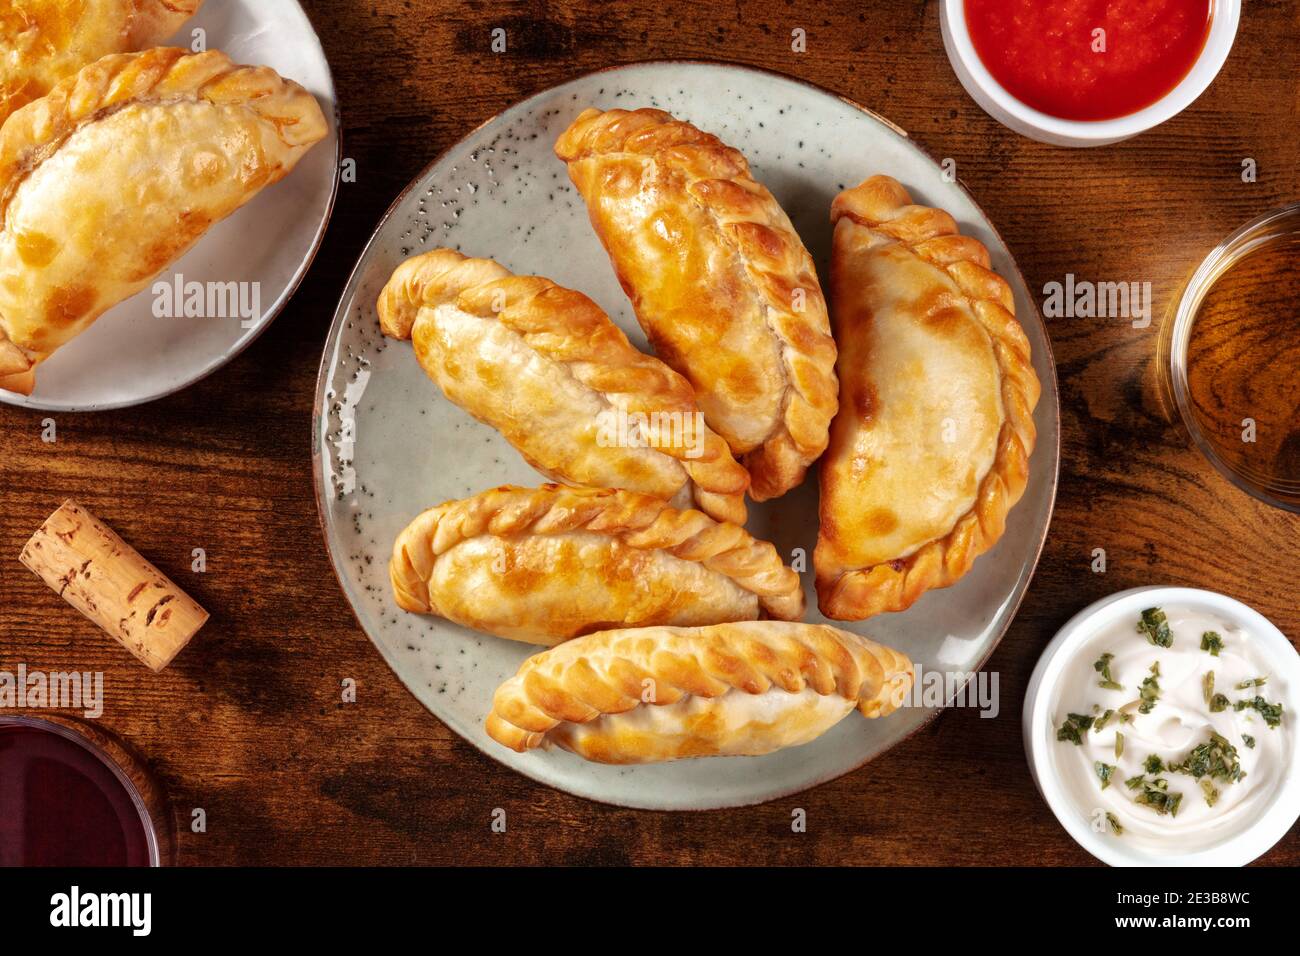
(108, 581)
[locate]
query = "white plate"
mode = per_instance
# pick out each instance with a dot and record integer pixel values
(387, 444)
(130, 356)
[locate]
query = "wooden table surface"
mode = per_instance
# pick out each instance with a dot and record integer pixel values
(248, 723)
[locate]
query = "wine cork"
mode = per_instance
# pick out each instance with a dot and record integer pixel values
(108, 581)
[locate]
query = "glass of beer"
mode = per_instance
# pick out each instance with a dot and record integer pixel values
(1233, 351)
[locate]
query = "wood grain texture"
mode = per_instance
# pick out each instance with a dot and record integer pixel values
(247, 723)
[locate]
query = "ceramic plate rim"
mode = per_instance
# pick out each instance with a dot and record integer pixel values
(341, 316)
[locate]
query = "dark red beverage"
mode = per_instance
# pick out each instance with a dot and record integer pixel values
(64, 803)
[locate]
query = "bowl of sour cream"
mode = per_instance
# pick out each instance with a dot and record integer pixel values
(1160, 729)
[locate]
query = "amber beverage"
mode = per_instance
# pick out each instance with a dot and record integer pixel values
(1235, 358)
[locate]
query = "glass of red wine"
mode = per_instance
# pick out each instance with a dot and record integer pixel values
(73, 795)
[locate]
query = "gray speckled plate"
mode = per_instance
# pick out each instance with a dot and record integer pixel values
(387, 444)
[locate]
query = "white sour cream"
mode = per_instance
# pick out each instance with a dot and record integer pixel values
(1180, 720)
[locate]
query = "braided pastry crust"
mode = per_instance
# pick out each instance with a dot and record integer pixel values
(543, 565)
(931, 447)
(661, 693)
(547, 368)
(118, 171)
(719, 280)
(45, 41)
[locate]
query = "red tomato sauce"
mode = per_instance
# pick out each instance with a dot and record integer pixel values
(1042, 51)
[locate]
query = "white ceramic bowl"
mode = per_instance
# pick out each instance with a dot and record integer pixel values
(1024, 119)
(1238, 850)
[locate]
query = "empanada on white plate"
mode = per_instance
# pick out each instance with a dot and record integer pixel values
(45, 41)
(547, 564)
(661, 693)
(549, 370)
(719, 280)
(931, 446)
(118, 171)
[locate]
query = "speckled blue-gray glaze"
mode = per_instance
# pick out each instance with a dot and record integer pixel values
(501, 193)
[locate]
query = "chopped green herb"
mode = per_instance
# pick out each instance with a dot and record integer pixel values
(1249, 740)
(1207, 686)
(1212, 642)
(1154, 764)
(1119, 745)
(1134, 782)
(1156, 627)
(1219, 703)
(1211, 793)
(1103, 720)
(1075, 726)
(1156, 795)
(1272, 713)
(1256, 682)
(1126, 718)
(1216, 758)
(1150, 690)
(1102, 667)
(1104, 772)
(1114, 824)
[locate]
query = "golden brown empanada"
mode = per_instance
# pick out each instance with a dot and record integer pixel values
(118, 171)
(543, 565)
(548, 369)
(45, 41)
(931, 445)
(660, 693)
(719, 280)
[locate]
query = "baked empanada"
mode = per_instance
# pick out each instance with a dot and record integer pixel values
(549, 370)
(543, 565)
(720, 282)
(44, 41)
(931, 445)
(661, 693)
(118, 171)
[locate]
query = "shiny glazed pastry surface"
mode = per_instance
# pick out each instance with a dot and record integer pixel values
(663, 693)
(547, 368)
(45, 41)
(543, 565)
(930, 448)
(719, 280)
(118, 171)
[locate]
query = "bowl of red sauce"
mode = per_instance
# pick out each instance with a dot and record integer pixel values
(1087, 72)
